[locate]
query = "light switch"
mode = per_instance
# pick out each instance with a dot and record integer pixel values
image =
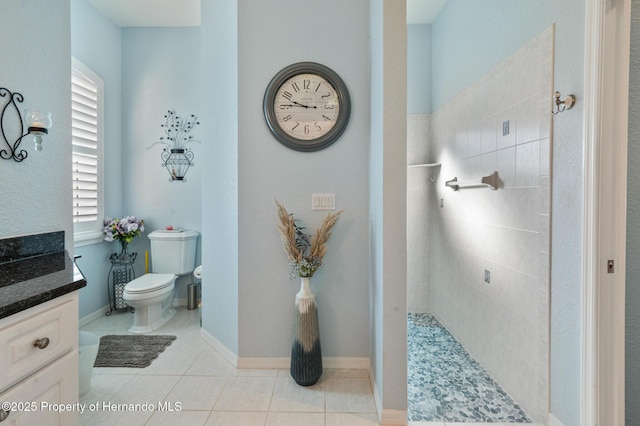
(323, 201)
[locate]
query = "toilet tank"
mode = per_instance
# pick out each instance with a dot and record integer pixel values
(173, 252)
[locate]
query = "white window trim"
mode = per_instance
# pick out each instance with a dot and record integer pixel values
(93, 236)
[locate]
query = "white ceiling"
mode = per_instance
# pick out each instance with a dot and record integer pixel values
(186, 13)
(151, 13)
(423, 11)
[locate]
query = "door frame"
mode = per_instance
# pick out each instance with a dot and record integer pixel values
(606, 93)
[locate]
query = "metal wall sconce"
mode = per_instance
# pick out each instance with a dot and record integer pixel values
(38, 125)
(176, 157)
(563, 104)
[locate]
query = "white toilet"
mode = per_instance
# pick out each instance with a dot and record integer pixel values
(172, 253)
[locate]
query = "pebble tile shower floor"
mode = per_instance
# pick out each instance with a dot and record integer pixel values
(447, 384)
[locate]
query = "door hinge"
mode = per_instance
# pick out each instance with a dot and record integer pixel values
(610, 265)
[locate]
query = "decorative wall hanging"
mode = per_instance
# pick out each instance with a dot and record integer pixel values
(38, 124)
(176, 157)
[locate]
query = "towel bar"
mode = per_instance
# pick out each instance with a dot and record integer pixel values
(490, 181)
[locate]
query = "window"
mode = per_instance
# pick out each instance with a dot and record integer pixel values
(87, 141)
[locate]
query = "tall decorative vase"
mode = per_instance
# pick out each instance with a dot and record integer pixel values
(306, 356)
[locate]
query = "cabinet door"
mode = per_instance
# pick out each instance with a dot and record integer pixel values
(36, 397)
(55, 320)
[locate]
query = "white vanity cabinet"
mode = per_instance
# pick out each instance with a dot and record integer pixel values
(39, 364)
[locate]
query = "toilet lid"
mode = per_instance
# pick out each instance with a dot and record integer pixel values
(150, 282)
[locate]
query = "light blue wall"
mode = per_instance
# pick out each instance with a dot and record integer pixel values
(161, 72)
(35, 48)
(272, 35)
(632, 361)
(219, 50)
(250, 169)
(96, 42)
(469, 38)
(419, 69)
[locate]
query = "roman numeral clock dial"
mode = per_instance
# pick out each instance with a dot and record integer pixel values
(306, 106)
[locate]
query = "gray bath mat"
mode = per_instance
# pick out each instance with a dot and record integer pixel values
(130, 350)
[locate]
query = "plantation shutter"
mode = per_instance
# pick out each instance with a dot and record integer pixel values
(85, 131)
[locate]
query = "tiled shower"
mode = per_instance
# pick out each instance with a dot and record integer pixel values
(478, 258)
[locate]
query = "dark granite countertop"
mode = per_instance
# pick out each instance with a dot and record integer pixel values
(28, 282)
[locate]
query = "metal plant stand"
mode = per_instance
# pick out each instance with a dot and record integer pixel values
(120, 273)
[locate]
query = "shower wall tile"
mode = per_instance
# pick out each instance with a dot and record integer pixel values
(462, 143)
(504, 324)
(488, 136)
(545, 194)
(546, 106)
(528, 164)
(545, 157)
(418, 302)
(475, 138)
(506, 166)
(528, 118)
(418, 129)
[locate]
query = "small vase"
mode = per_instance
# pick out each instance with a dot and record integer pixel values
(124, 249)
(123, 256)
(306, 356)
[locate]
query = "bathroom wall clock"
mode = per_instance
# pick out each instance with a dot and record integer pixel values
(307, 106)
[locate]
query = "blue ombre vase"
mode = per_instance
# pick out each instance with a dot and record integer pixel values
(306, 356)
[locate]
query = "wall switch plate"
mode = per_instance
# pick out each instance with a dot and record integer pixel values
(487, 276)
(505, 128)
(323, 201)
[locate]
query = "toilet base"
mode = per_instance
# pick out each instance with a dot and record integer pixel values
(148, 318)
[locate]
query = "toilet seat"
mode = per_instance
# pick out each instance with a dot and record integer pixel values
(149, 283)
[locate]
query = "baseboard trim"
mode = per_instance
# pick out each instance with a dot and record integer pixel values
(553, 421)
(285, 362)
(266, 363)
(393, 417)
(385, 416)
(263, 363)
(93, 316)
(218, 346)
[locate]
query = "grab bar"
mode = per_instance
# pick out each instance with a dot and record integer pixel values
(490, 181)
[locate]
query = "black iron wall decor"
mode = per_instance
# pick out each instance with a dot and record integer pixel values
(38, 124)
(176, 157)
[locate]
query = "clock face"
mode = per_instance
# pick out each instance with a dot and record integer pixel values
(306, 106)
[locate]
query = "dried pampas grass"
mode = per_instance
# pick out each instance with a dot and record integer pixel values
(320, 238)
(296, 243)
(287, 228)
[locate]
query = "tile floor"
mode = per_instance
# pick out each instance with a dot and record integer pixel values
(191, 375)
(212, 392)
(446, 384)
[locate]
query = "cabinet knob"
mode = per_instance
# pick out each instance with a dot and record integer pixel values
(4, 414)
(41, 343)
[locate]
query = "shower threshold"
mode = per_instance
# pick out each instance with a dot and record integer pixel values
(445, 384)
